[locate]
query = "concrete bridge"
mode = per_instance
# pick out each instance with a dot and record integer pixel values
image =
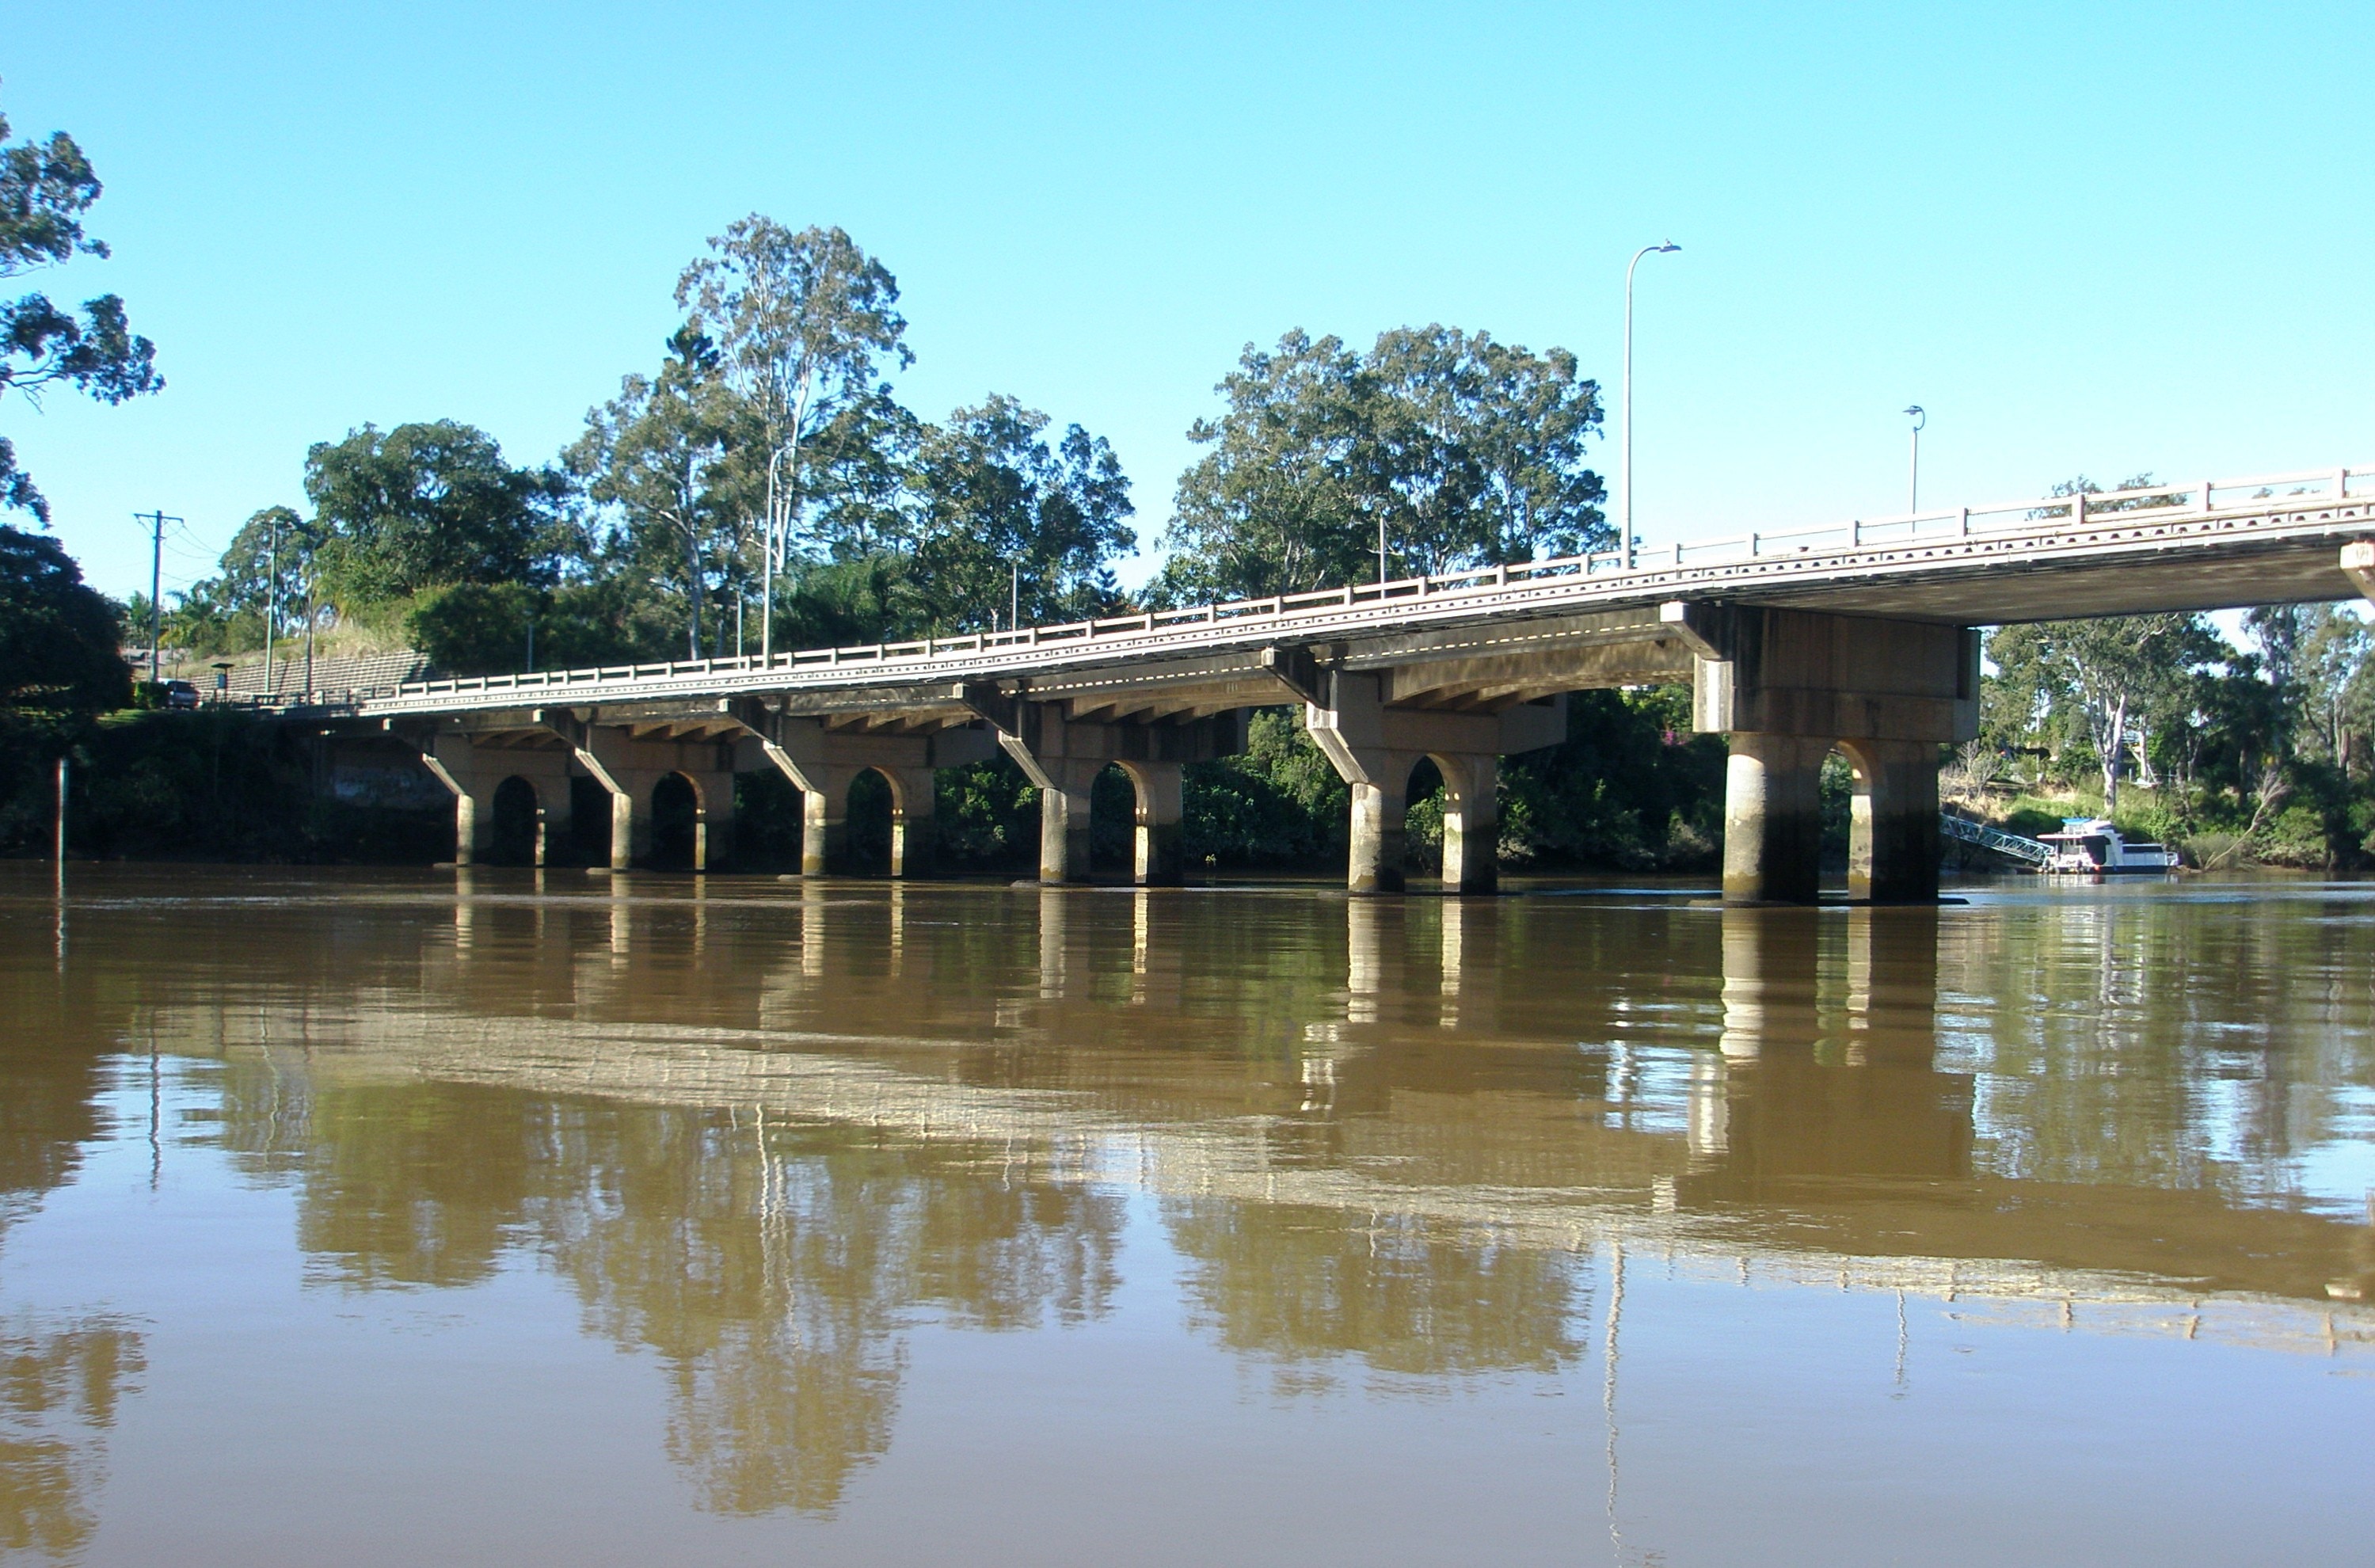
(1860, 635)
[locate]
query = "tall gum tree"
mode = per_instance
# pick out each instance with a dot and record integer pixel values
(805, 325)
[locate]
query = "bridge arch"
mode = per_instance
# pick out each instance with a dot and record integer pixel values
(1457, 829)
(515, 830)
(1892, 820)
(1156, 856)
(679, 823)
(869, 815)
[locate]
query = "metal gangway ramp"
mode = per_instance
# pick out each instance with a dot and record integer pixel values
(2027, 851)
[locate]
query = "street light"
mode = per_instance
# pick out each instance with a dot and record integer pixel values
(1913, 476)
(1627, 475)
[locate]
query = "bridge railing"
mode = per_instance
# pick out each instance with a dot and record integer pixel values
(2031, 517)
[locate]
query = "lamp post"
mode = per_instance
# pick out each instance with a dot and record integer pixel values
(1913, 473)
(1627, 476)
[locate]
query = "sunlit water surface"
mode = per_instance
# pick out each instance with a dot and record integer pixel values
(393, 1217)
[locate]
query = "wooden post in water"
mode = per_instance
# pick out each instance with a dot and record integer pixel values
(62, 816)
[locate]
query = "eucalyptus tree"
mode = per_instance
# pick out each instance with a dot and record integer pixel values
(652, 457)
(45, 189)
(1003, 515)
(2121, 674)
(1478, 451)
(1276, 506)
(804, 325)
(1438, 449)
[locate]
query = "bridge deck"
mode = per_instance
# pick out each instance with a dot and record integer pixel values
(2216, 544)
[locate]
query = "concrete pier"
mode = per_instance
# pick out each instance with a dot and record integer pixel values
(1062, 757)
(1787, 686)
(1374, 746)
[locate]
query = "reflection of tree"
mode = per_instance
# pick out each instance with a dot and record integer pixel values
(772, 1267)
(424, 1186)
(2095, 1066)
(58, 1393)
(1298, 1283)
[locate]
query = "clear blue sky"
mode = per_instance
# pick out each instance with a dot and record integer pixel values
(2088, 237)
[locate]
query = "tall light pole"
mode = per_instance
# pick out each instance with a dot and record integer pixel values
(1626, 479)
(1913, 473)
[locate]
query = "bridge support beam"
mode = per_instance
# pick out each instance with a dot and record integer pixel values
(629, 766)
(1773, 818)
(1893, 850)
(1063, 756)
(2358, 565)
(1374, 747)
(472, 774)
(1786, 685)
(822, 763)
(914, 829)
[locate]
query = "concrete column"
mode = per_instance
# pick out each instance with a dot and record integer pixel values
(2358, 565)
(713, 821)
(630, 826)
(1893, 838)
(1064, 820)
(824, 820)
(466, 827)
(1472, 823)
(914, 830)
(1159, 789)
(1773, 818)
(1379, 846)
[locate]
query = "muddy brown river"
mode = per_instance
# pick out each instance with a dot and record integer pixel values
(400, 1217)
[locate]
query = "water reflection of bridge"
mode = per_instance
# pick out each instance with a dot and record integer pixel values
(1406, 1074)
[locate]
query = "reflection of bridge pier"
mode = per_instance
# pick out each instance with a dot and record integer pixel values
(1805, 1092)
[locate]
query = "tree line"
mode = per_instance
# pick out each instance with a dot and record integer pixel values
(763, 485)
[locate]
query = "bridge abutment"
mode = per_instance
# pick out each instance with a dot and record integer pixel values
(1788, 685)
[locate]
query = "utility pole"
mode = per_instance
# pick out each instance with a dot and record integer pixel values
(156, 520)
(271, 601)
(312, 614)
(1014, 597)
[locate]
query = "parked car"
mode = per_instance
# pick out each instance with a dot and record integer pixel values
(181, 694)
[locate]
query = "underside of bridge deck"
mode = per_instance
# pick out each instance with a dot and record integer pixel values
(1785, 684)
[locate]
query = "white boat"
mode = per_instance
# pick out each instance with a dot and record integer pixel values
(2091, 846)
